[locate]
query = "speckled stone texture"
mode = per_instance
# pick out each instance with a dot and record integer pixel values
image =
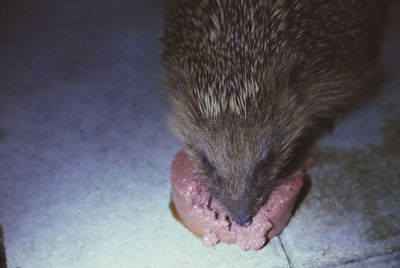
(85, 155)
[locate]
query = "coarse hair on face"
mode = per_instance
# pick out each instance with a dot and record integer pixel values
(242, 147)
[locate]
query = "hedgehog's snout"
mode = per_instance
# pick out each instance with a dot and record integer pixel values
(241, 213)
(243, 219)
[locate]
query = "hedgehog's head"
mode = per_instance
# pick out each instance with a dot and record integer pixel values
(241, 133)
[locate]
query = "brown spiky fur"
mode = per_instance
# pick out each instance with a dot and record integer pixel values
(251, 81)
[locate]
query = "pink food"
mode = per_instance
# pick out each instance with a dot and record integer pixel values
(203, 215)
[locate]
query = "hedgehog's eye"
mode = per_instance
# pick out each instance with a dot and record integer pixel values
(260, 178)
(203, 159)
(266, 157)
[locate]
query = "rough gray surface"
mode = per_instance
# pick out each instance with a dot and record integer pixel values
(85, 156)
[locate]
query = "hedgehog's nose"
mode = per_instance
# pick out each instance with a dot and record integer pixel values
(244, 220)
(241, 214)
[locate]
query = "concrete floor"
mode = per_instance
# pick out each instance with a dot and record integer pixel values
(85, 156)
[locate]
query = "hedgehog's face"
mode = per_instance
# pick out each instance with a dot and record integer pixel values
(241, 192)
(242, 155)
(238, 169)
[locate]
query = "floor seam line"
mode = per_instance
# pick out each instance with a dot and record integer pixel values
(284, 251)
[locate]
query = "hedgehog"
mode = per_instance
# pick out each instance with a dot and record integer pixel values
(253, 83)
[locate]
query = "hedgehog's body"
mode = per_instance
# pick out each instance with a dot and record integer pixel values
(250, 79)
